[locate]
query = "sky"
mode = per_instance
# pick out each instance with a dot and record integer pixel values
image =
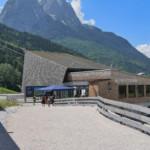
(126, 18)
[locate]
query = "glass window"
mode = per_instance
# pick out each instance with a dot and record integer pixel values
(64, 94)
(122, 91)
(38, 93)
(29, 92)
(140, 89)
(147, 90)
(70, 93)
(131, 90)
(58, 94)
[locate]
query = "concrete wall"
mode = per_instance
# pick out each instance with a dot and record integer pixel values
(16, 97)
(41, 72)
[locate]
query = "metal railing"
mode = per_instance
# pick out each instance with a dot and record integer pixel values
(132, 115)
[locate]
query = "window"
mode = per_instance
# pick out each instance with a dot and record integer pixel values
(131, 90)
(147, 90)
(109, 87)
(29, 92)
(140, 89)
(122, 91)
(58, 94)
(70, 93)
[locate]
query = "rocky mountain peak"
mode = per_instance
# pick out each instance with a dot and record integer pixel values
(33, 15)
(60, 10)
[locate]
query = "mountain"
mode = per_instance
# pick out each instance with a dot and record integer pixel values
(38, 15)
(11, 64)
(57, 21)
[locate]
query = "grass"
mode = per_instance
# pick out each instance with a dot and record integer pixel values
(6, 91)
(4, 104)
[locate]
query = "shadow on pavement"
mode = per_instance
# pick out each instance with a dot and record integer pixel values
(6, 142)
(1, 109)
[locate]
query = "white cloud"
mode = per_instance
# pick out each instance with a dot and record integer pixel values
(1, 7)
(145, 49)
(76, 4)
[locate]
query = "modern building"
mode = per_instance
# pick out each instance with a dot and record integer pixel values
(45, 69)
(114, 84)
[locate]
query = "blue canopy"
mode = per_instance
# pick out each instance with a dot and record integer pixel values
(55, 88)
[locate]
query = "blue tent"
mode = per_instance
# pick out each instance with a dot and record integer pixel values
(55, 88)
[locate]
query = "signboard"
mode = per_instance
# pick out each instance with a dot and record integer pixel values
(29, 92)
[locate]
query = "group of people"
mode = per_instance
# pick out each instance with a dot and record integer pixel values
(45, 99)
(82, 95)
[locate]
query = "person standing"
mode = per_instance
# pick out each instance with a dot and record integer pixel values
(43, 101)
(34, 100)
(48, 101)
(52, 99)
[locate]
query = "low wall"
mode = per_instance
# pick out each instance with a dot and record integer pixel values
(3, 97)
(13, 97)
(135, 116)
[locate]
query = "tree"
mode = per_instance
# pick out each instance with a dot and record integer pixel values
(8, 76)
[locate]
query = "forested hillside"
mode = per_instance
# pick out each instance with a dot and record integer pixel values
(125, 58)
(11, 63)
(32, 42)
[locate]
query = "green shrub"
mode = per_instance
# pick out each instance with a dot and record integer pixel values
(4, 104)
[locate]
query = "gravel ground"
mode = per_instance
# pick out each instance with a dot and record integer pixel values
(70, 128)
(4, 114)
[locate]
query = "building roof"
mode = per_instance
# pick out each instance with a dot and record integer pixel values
(71, 62)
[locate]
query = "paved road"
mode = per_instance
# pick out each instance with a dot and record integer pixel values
(71, 128)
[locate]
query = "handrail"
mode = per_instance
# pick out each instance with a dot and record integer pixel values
(128, 114)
